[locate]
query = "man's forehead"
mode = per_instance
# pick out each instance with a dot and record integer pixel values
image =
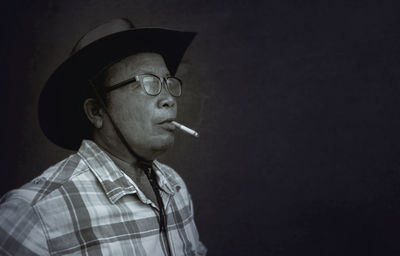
(140, 63)
(141, 60)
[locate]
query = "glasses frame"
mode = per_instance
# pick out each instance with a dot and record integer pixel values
(137, 79)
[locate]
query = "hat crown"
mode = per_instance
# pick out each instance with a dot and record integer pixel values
(103, 30)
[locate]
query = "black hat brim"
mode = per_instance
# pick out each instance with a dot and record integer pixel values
(60, 110)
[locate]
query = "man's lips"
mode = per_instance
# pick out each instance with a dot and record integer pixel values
(167, 120)
(167, 124)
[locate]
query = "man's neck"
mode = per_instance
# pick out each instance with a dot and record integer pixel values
(119, 152)
(133, 170)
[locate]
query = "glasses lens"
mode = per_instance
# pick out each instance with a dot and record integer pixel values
(174, 86)
(151, 84)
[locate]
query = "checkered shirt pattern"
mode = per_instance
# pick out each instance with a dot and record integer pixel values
(85, 205)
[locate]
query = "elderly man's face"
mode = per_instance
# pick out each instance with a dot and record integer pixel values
(144, 120)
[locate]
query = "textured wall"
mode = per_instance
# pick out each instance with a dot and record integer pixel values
(296, 104)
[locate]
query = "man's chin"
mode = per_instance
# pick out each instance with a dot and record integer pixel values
(163, 144)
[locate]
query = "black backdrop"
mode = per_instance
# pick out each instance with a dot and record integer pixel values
(296, 103)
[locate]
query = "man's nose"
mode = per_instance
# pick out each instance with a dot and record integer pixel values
(165, 99)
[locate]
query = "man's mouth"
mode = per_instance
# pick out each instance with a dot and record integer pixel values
(167, 120)
(167, 124)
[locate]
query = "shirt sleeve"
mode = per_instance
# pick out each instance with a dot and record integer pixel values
(201, 250)
(21, 231)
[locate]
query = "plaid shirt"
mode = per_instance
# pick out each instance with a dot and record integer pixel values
(85, 205)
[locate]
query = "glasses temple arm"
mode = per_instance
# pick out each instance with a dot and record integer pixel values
(119, 85)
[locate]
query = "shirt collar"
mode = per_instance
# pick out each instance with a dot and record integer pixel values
(165, 179)
(112, 179)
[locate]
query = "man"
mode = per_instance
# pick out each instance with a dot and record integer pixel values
(116, 96)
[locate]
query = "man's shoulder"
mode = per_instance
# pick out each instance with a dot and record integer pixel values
(50, 180)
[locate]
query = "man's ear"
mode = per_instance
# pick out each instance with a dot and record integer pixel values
(93, 112)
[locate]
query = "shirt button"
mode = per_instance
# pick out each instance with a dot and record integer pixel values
(37, 180)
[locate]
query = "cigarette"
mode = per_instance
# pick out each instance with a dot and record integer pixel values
(186, 129)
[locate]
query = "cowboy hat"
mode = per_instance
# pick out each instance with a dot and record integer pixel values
(60, 110)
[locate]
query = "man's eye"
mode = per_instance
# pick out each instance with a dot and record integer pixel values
(134, 85)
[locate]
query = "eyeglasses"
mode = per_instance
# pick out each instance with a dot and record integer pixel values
(151, 84)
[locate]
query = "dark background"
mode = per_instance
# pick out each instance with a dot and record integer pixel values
(296, 103)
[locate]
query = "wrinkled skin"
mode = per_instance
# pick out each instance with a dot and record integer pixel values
(144, 120)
